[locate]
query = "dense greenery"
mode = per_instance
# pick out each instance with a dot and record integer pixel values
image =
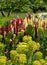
(22, 6)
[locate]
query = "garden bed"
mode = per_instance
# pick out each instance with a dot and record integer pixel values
(24, 41)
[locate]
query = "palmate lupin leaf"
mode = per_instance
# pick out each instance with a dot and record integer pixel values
(9, 35)
(30, 30)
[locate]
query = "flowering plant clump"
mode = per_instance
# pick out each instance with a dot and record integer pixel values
(32, 46)
(38, 55)
(36, 62)
(42, 61)
(22, 48)
(3, 60)
(14, 56)
(22, 59)
(24, 42)
(27, 38)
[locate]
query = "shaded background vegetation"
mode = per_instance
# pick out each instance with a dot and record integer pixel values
(22, 6)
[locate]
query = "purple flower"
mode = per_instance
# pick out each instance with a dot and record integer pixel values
(6, 52)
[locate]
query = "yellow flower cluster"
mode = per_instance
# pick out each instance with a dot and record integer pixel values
(2, 46)
(32, 46)
(3, 60)
(27, 38)
(36, 62)
(28, 46)
(39, 62)
(38, 55)
(42, 61)
(10, 40)
(22, 59)
(14, 55)
(21, 33)
(38, 46)
(22, 47)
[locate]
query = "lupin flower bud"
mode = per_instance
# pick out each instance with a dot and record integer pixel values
(14, 25)
(43, 24)
(6, 52)
(36, 26)
(19, 25)
(36, 23)
(8, 28)
(27, 17)
(13, 21)
(2, 30)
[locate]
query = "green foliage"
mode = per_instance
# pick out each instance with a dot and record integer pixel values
(30, 30)
(23, 5)
(9, 35)
(43, 41)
